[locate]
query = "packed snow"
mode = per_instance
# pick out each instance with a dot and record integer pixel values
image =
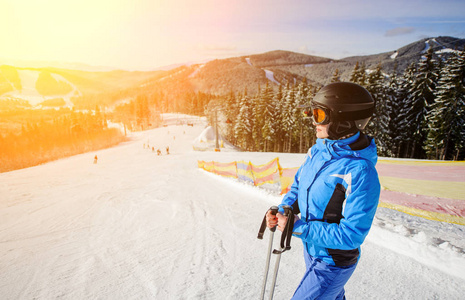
(28, 82)
(439, 49)
(29, 92)
(270, 75)
(447, 50)
(427, 46)
(137, 225)
(73, 93)
(196, 71)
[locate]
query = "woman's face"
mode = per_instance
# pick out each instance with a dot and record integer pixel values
(322, 131)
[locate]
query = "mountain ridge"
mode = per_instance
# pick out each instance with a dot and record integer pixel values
(249, 73)
(221, 76)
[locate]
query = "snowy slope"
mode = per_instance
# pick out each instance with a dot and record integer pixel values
(270, 75)
(141, 226)
(29, 92)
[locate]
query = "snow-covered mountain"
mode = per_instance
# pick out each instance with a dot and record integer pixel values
(28, 89)
(137, 225)
(42, 87)
(404, 56)
(282, 67)
(219, 76)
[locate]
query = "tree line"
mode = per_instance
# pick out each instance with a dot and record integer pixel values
(144, 110)
(419, 113)
(52, 134)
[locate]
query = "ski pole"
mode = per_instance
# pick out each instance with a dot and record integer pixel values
(287, 211)
(274, 211)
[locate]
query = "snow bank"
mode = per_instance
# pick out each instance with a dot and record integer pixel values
(427, 246)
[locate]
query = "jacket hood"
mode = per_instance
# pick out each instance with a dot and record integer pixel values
(342, 148)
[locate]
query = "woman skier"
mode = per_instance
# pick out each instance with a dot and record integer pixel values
(336, 191)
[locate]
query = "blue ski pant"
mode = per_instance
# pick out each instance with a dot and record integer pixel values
(322, 281)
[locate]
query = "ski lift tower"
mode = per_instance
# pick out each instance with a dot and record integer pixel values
(214, 108)
(217, 146)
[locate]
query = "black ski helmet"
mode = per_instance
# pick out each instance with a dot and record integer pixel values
(348, 105)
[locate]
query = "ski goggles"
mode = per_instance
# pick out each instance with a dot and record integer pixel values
(319, 114)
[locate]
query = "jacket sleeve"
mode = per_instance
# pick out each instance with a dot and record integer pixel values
(360, 209)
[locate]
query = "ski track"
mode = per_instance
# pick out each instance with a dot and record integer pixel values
(141, 226)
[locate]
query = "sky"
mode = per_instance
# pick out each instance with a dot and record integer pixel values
(147, 34)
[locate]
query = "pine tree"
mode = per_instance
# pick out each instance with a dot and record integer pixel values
(268, 115)
(354, 76)
(244, 123)
(422, 97)
(358, 75)
(301, 96)
(377, 127)
(307, 123)
(231, 110)
(404, 139)
(287, 117)
(336, 76)
(142, 111)
(259, 120)
(394, 122)
(446, 132)
(277, 125)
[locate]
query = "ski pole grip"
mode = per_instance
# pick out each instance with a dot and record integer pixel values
(287, 210)
(261, 231)
(274, 211)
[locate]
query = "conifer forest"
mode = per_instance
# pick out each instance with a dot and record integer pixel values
(419, 114)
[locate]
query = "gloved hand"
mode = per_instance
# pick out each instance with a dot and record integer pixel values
(271, 219)
(278, 220)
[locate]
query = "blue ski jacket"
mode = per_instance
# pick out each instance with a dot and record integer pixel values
(337, 192)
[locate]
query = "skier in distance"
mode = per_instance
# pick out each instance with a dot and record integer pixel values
(336, 191)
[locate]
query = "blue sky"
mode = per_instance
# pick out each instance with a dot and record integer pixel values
(146, 34)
